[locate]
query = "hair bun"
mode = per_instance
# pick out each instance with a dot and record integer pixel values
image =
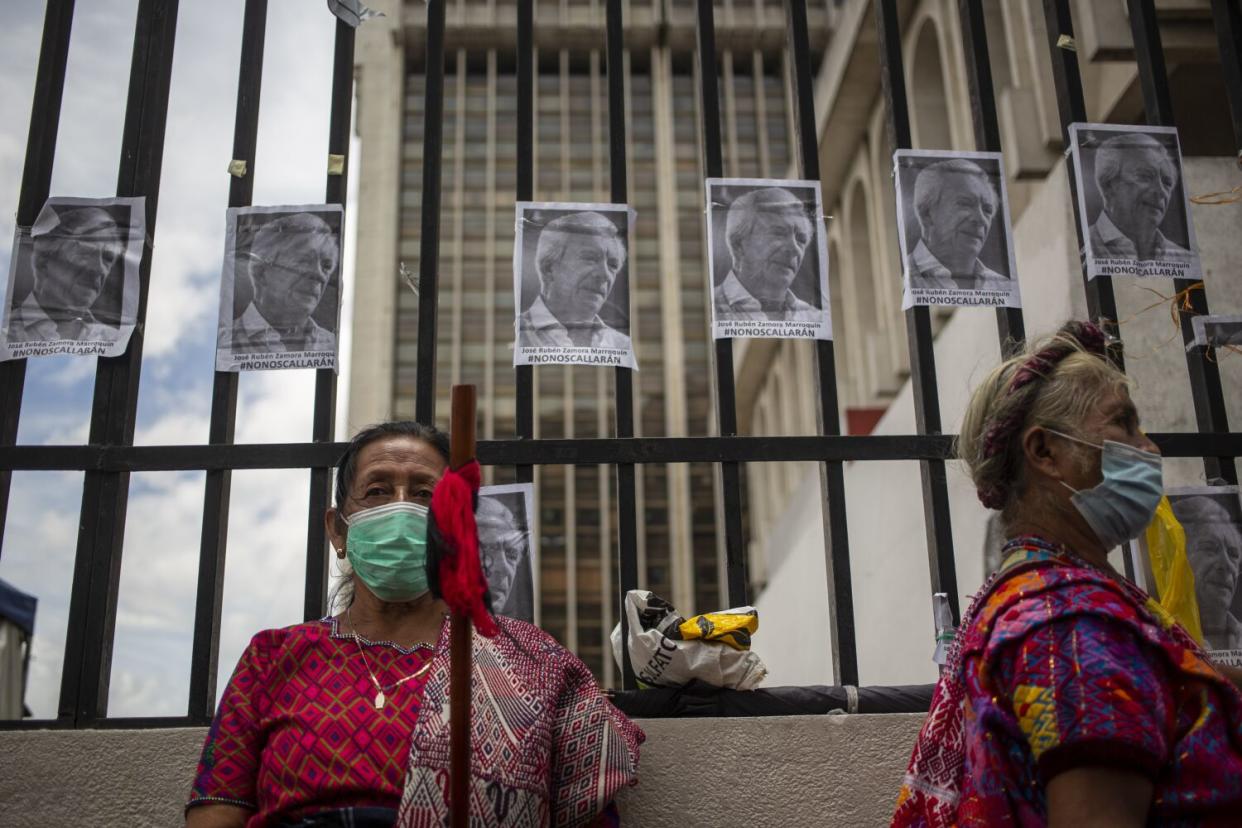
(993, 497)
(1089, 335)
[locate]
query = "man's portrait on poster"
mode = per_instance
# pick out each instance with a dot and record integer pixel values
(505, 548)
(280, 293)
(571, 284)
(1212, 519)
(73, 281)
(1132, 198)
(1217, 331)
(768, 259)
(953, 219)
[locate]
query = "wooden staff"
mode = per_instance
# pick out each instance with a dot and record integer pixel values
(461, 451)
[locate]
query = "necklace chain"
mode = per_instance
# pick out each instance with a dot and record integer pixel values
(381, 690)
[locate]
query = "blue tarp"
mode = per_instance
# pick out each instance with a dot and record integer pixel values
(17, 607)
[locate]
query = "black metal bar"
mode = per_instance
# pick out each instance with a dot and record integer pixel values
(429, 242)
(1009, 325)
(1227, 14)
(105, 495)
(1205, 387)
(836, 528)
(580, 452)
(324, 423)
(627, 505)
(726, 401)
(205, 649)
(1072, 107)
(36, 181)
(918, 332)
(525, 374)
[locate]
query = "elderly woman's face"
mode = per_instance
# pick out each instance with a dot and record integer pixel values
(391, 469)
(1114, 418)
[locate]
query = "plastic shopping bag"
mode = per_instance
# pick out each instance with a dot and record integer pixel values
(667, 650)
(1174, 579)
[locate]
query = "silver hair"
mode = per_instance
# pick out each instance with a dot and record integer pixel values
(493, 508)
(928, 184)
(740, 220)
(552, 241)
(1201, 509)
(1112, 153)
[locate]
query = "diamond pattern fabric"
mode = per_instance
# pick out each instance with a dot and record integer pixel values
(297, 731)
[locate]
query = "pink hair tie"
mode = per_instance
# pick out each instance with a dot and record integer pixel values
(1037, 366)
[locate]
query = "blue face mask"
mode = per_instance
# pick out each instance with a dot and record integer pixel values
(387, 547)
(1121, 506)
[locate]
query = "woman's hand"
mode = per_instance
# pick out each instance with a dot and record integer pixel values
(217, 815)
(1100, 797)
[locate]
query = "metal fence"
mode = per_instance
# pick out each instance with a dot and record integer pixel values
(110, 456)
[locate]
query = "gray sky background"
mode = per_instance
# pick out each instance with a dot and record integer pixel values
(267, 534)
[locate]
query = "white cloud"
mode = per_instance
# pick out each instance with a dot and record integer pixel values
(40, 539)
(265, 569)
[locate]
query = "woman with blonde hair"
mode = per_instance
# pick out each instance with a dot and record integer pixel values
(1069, 696)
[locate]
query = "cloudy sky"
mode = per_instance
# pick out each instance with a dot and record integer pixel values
(265, 569)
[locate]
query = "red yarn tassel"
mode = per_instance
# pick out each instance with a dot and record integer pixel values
(461, 575)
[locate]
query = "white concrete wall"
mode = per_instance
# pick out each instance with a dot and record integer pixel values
(888, 548)
(796, 770)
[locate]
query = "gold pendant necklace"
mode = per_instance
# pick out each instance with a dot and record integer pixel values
(380, 690)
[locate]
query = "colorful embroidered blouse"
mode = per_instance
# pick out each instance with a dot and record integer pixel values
(547, 749)
(297, 731)
(1060, 665)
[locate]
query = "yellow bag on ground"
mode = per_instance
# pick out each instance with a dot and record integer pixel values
(1174, 579)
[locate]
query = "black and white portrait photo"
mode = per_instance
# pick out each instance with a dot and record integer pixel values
(571, 284)
(953, 221)
(1132, 200)
(1212, 519)
(768, 257)
(74, 278)
(1218, 331)
(280, 293)
(504, 517)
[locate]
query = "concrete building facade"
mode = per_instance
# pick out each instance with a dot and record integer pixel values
(680, 544)
(888, 545)
(679, 541)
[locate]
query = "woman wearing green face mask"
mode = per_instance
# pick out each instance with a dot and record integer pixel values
(1069, 697)
(343, 721)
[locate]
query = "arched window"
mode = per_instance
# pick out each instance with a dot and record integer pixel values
(928, 97)
(840, 327)
(998, 44)
(859, 240)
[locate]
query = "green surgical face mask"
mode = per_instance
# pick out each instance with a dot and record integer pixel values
(387, 547)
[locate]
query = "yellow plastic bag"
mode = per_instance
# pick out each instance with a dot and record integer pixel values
(732, 627)
(1174, 579)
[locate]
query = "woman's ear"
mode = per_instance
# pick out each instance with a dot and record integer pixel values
(335, 528)
(1042, 455)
